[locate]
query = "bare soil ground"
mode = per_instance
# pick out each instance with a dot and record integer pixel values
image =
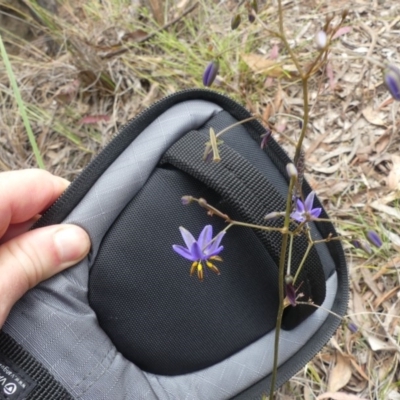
(86, 68)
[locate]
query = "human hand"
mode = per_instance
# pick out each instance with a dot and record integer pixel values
(27, 258)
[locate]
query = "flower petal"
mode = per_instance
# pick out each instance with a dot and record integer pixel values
(290, 293)
(374, 238)
(308, 204)
(184, 252)
(214, 246)
(187, 237)
(297, 216)
(315, 212)
(205, 238)
(300, 206)
(215, 252)
(196, 252)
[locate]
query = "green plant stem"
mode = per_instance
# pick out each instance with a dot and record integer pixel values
(285, 42)
(289, 262)
(310, 244)
(21, 105)
(260, 227)
(305, 120)
(220, 133)
(282, 258)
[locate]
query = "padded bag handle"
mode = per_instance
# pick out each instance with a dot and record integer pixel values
(249, 192)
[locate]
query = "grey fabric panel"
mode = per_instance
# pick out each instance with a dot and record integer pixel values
(230, 377)
(56, 325)
(125, 177)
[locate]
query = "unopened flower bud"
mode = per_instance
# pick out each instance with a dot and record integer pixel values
(254, 5)
(289, 279)
(235, 22)
(210, 73)
(352, 327)
(291, 170)
(202, 202)
(392, 81)
(290, 293)
(374, 238)
(186, 200)
(321, 40)
(362, 244)
(274, 214)
(265, 138)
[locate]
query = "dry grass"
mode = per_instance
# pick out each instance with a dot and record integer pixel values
(87, 70)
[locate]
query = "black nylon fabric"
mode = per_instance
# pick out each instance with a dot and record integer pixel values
(159, 317)
(47, 388)
(166, 340)
(247, 190)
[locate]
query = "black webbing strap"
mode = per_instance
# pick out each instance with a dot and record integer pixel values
(250, 193)
(23, 377)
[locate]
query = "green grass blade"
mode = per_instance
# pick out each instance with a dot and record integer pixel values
(21, 105)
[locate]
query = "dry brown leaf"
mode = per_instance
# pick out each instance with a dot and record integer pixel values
(359, 370)
(339, 396)
(267, 112)
(135, 35)
(157, 8)
(377, 344)
(369, 281)
(382, 143)
(261, 65)
(393, 212)
(342, 31)
(307, 393)
(393, 395)
(327, 170)
(373, 116)
(336, 188)
(386, 296)
(340, 374)
(393, 179)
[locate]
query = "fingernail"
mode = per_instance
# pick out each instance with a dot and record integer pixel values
(72, 243)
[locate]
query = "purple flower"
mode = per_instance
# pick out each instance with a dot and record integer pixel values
(265, 138)
(363, 245)
(200, 251)
(290, 294)
(352, 327)
(374, 238)
(392, 81)
(251, 17)
(304, 210)
(210, 73)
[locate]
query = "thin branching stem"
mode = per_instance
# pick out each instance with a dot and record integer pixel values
(289, 262)
(310, 244)
(282, 35)
(282, 259)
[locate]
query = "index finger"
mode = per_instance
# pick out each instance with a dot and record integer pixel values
(26, 193)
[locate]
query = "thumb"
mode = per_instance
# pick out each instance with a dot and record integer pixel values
(35, 256)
